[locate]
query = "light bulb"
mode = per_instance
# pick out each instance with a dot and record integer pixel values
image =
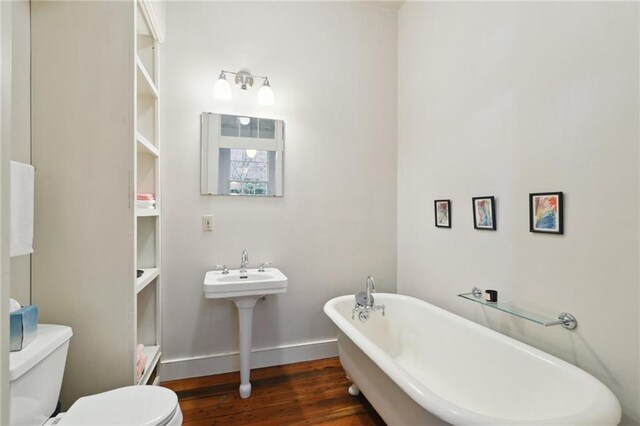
(251, 153)
(222, 90)
(265, 95)
(244, 120)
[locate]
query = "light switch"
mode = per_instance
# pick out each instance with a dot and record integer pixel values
(207, 222)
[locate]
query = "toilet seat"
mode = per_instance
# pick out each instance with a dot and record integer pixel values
(131, 405)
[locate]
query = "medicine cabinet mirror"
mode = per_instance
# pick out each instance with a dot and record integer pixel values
(242, 155)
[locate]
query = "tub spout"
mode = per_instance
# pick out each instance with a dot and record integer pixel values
(365, 302)
(371, 288)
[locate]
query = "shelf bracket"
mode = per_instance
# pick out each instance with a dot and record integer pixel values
(566, 320)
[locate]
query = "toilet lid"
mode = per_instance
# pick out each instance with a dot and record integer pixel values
(131, 405)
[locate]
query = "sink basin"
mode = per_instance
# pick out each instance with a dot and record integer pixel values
(252, 283)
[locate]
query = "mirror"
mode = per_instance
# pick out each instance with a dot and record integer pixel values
(242, 155)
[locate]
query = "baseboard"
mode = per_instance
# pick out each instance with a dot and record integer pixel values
(181, 368)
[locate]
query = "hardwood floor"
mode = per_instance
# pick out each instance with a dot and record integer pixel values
(306, 393)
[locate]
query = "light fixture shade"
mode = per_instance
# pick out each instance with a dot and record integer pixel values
(222, 89)
(251, 153)
(265, 95)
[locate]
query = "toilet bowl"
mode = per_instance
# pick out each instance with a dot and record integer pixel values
(36, 377)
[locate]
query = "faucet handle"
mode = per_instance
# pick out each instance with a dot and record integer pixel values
(222, 268)
(361, 299)
(262, 265)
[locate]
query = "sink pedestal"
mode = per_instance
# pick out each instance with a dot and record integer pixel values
(244, 289)
(245, 306)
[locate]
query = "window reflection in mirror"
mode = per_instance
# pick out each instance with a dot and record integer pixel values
(242, 155)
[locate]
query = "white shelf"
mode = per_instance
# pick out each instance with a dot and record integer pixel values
(152, 24)
(153, 356)
(147, 212)
(146, 147)
(146, 85)
(149, 275)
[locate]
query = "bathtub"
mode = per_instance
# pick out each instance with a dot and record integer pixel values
(422, 365)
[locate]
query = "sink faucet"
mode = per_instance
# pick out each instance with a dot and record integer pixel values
(365, 302)
(245, 261)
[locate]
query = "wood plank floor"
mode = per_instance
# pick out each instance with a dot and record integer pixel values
(306, 393)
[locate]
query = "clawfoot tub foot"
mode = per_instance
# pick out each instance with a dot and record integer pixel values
(354, 390)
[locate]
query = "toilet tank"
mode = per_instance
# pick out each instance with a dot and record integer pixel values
(35, 376)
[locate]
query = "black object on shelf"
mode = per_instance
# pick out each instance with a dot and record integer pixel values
(140, 272)
(491, 296)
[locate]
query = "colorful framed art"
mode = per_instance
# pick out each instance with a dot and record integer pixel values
(545, 213)
(442, 210)
(484, 213)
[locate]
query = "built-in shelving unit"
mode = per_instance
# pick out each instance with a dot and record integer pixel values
(96, 139)
(147, 161)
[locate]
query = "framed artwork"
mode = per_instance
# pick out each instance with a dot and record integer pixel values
(443, 213)
(484, 213)
(545, 212)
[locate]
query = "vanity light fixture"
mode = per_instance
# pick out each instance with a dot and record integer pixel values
(244, 80)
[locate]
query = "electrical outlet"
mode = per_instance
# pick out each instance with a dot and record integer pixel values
(207, 222)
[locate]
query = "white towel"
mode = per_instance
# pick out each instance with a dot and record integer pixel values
(14, 305)
(145, 206)
(141, 361)
(21, 232)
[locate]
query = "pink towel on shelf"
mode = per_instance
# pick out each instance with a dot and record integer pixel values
(145, 196)
(141, 361)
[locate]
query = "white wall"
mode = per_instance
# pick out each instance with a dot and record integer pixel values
(15, 120)
(21, 126)
(5, 155)
(506, 99)
(333, 69)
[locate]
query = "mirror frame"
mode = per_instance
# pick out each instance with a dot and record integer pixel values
(211, 141)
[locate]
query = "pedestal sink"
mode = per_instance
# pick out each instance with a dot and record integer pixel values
(244, 289)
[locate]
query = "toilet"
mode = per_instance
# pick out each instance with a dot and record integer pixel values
(35, 375)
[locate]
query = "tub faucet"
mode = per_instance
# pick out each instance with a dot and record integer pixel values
(371, 288)
(244, 262)
(365, 302)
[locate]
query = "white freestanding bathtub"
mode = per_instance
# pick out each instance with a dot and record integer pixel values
(422, 365)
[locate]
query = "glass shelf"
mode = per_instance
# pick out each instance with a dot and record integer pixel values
(568, 321)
